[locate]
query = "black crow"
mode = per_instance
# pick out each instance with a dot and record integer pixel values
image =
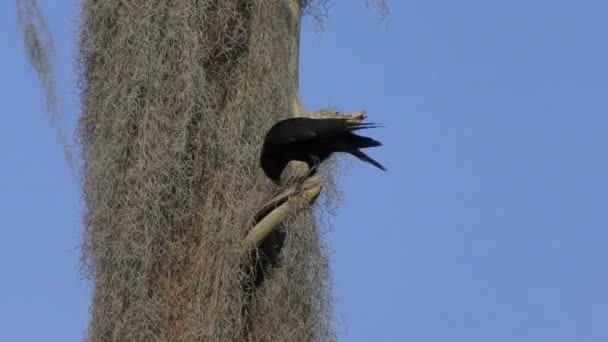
(312, 141)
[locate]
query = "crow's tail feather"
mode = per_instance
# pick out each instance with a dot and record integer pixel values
(363, 125)
(366, 158)
(358, 141)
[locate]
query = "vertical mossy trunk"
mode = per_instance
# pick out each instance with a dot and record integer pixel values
(176, 96)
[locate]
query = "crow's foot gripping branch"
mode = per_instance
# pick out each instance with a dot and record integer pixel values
(300, 180)
(295, 173)
(274, 211)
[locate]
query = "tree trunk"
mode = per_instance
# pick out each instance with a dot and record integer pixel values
(176, 97)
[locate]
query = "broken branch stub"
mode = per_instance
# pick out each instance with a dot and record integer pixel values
(354, 117)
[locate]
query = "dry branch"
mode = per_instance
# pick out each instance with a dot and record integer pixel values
(273, 212)
(334, 113)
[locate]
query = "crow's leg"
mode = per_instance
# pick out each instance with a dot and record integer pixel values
(315, 163)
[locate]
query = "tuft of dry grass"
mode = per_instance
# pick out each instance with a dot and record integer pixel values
(176, 97)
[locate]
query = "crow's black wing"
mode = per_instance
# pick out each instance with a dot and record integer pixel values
(307, 129)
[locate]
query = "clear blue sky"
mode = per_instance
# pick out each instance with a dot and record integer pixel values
(490, 225)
